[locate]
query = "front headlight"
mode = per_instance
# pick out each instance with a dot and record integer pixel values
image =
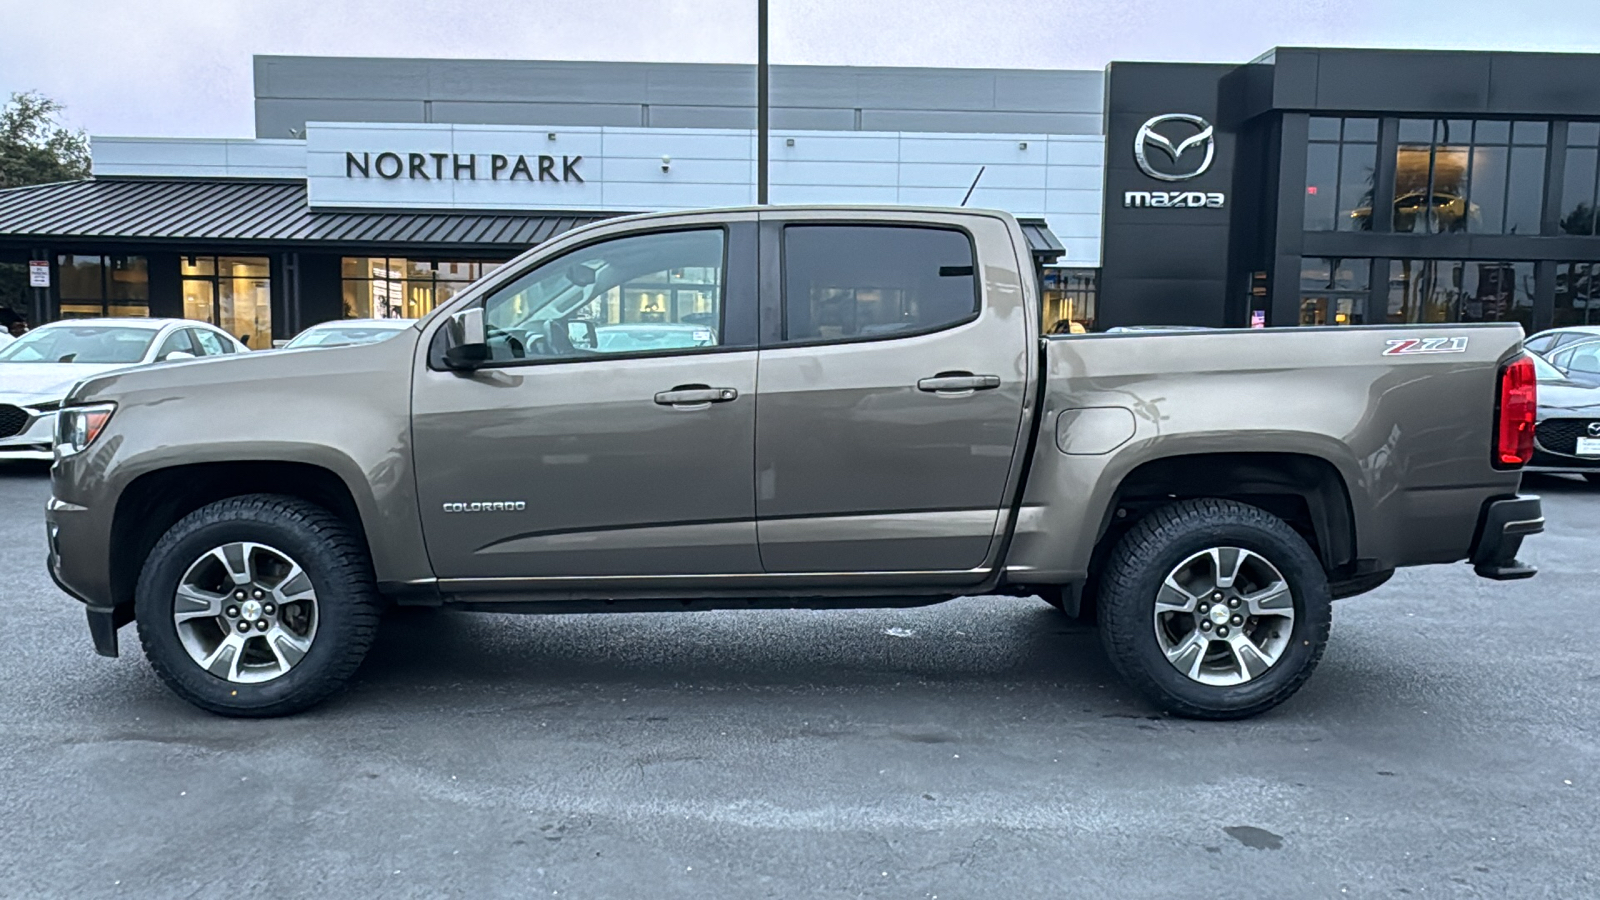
(78, 426)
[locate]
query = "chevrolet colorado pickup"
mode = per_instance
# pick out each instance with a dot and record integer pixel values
(786, 407)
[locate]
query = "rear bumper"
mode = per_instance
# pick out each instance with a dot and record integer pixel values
(1501, 528)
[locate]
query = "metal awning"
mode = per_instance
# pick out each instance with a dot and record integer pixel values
(252, 213)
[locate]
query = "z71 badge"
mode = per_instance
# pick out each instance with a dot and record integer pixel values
(1409, 346)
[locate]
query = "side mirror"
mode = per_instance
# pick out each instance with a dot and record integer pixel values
(468, 338)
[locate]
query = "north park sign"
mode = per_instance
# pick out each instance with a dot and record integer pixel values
(393, 166)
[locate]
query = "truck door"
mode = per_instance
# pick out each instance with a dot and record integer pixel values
(893, 375)
(612, 433)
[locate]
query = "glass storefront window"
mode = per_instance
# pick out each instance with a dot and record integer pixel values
(1448, 290)
(232, 292)
(95, 286)
(1069, 299)
(379, 287)
(1577, 294)
(1334, 291)
(1484, 176)
(1340, 161)
(1578, 200)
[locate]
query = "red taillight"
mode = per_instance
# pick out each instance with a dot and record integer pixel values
(1516, 414)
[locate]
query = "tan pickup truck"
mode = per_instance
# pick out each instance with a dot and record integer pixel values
(786, 407)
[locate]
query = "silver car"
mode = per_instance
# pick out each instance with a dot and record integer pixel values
(39, 368)
(346, 332)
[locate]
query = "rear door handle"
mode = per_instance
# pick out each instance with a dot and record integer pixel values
(696, 395)
(958, 382)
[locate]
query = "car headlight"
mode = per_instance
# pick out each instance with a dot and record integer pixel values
(78, 426)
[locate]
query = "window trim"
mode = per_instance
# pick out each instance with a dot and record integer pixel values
(436, 342)
(782, 268)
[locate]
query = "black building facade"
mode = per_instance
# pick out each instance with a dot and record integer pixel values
(1353, 186)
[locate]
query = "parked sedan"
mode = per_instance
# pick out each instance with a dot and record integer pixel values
(1566, 438)
(1550, 340)
(1577, 361)
(349, 331)
(39, 368)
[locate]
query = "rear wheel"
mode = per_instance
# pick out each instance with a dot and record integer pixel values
(257, 606)
(1214, 609)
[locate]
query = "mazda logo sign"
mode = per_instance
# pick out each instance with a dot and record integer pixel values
(1594, 429)
(1185, 163)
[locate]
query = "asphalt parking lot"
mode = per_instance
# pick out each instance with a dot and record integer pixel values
(1449, 745)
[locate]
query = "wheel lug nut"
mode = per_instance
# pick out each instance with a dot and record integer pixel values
(1234, 603)
(258, 594)
(1223, 631)
(232, 611)
(261, 624)
(1205, 626)
(244, 626)
(268, 609)
(1237, 621)
(1217, 596)
(1205, 607)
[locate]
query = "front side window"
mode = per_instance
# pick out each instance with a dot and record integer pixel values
(210, 343)
(853, 282)
(647, 293)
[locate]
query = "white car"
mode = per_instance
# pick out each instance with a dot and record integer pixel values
(39, 368)
(1550, 340)
(345, 332)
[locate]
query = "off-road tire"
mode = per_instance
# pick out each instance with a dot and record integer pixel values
(1159, 542)
(331, 554)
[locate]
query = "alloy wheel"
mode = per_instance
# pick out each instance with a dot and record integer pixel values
(245, 612)
(1224, 616)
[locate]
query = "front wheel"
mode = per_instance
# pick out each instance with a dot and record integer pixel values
(257, 606)
(1214, 609)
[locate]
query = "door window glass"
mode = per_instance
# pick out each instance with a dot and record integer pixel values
(850, 282)
(648, 293)
(210, 343)
(232, 292)
(94, 286)
(176, 342)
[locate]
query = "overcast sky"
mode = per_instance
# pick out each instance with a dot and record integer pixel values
(182, 67)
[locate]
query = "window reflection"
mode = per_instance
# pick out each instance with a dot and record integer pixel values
(1577, 294)
(1578, 200)
(1446, 290)
(379, 287)
(1334, 291)
(1340, 160)
(1069, 299)
(1484, 176)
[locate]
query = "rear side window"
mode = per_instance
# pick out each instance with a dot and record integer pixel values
(211, 343)
(858, 282)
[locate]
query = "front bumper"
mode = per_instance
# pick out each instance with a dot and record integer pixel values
(1501, 528)
(35, 441)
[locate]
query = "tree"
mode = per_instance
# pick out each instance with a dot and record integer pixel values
(35, 148)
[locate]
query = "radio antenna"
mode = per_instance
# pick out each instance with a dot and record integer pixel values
(974, 185)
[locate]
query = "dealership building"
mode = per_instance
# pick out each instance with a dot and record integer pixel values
(1306, 187)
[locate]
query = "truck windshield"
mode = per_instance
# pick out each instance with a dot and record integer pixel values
(93, 344)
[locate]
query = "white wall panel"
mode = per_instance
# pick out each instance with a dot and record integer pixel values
(1055, 176)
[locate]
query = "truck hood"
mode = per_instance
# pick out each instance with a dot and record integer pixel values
(38, 382)
(176, 381)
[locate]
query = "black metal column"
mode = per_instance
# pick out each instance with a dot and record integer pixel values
(761, 102)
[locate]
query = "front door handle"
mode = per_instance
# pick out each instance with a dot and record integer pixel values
(958, 383)
(696, 395)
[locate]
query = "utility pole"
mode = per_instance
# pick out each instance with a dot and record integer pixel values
(761, 102)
